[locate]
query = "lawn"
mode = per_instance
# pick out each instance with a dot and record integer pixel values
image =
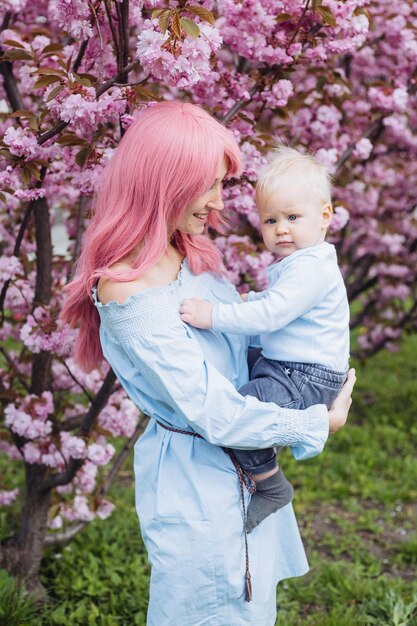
(356, 505)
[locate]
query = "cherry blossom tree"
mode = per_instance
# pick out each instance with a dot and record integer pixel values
(338, 77)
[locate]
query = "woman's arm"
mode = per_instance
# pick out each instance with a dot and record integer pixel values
(169, 364)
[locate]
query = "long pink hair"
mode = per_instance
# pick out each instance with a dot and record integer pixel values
(167, 158)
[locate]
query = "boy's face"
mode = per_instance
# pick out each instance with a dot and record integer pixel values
(292, 219)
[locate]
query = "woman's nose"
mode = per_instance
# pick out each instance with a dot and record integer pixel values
(216, 202)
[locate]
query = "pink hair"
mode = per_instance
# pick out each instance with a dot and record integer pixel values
(167, 159)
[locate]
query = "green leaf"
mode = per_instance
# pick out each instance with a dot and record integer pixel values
(52, 47)
(327, 15)
(163, 21)
(202, 13)
(51, 71)
(71, 139)
(144, 93)
(176, 25)
(158, 12)
(2, 197)
(26, 175)
(190, 27)
(15, 44)
(17, 55)
(284, 17)
(54, 92)
(33, 170)
(82, 156)
(45, 81)
(23, 113)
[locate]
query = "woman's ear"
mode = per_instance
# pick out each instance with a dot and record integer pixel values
(327, 214)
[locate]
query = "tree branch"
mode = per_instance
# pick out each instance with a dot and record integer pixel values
(80, 55)
(123, 454)
(64, 536)
(373, 133)
(19, 238)
(97, 404)
(77, 382)
(111, 24)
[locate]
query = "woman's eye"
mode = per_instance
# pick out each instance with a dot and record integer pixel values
(292, 218)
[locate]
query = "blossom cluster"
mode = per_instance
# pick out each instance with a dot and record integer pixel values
(185, 65)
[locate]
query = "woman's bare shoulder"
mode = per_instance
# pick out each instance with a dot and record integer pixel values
(109, 290)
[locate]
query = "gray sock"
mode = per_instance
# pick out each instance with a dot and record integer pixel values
(271, 494)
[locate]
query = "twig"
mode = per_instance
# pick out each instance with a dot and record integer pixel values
(83, 200)
(64, 536)
(113, 32)
(114, 79)
(123, 454)
(98, 403)
(14, 370)
(77, 382)
(80, 55)
(373, 132)
(297, 30)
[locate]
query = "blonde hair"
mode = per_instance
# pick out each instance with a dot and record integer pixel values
(285, 162)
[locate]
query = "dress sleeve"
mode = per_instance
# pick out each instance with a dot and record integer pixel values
(171, 364)
(300, 288)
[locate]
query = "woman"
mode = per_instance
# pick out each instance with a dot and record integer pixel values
(145, 250)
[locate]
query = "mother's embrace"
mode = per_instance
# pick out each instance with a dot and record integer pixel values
(145, 250)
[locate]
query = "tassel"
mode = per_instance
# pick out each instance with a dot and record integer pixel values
(248, 586)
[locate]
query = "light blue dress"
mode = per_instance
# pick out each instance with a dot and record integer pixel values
(187, 491)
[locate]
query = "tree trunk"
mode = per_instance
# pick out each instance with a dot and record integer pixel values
(21, 555)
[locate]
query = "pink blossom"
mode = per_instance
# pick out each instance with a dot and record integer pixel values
(119, 419)
(7, 497)
(85, 479)
(10, 266)
(32, 453)
(105, 509)
(56, 522)
(328, 158)
(29, 194)
(21, 141)
(182, 70)
(72, 446)
(100, 454)
(340, 218)
(73, 16)
(363, 149)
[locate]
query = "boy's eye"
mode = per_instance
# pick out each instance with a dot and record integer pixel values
(271, 220)
(292, 218)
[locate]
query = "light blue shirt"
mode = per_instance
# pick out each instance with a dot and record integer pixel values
(303, 316)
(187, 491)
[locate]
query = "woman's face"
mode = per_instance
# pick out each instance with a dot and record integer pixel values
(193, 219)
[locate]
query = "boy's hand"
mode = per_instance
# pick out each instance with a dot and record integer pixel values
(196, 312)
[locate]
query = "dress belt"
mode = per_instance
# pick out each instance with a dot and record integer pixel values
(245, 481)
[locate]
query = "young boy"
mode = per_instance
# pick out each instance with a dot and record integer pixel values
(302, 318)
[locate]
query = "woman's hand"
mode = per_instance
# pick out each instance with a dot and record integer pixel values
(339, 410)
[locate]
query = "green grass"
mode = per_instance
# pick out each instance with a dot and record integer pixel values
(356, 506)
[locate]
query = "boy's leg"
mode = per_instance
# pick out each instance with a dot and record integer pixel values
(269, 383)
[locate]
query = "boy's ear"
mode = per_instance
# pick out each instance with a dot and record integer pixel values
(327, 214)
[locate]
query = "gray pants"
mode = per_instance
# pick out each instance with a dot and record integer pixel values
(290, 385)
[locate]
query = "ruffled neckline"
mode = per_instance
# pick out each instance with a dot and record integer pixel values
(184, 267)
